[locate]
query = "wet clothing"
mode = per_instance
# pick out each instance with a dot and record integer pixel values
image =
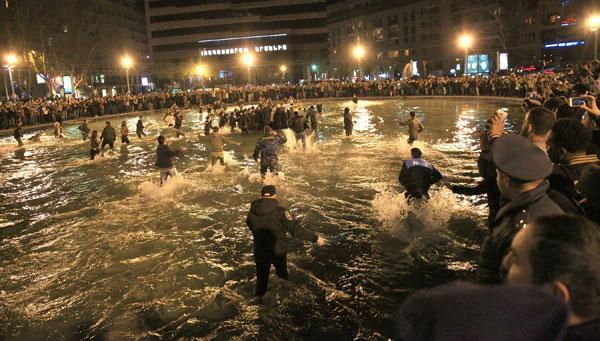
(124, 134)
(311, 116)
(216, 143)
(269, 225)
(139, 129)
(417, 176)
(267, 147)
(348, 124)
(94, 148)
(512, 217)
(414, 129)
(18, 135)
(108, 136)
(280, 119)
(299, 128)
(85, 130)
(164, 156)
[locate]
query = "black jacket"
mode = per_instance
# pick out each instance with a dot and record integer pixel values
(417, 176)
(164, 156)
(139, 127)
(108, 134)
(512, 217)
(269, 225)
(299, 125)
(280, 119)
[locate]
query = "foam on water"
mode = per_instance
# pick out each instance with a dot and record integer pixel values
(152, 189)
(404, 219)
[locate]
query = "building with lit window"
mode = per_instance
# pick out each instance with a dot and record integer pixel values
(215, 34)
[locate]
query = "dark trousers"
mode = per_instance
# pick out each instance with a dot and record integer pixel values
(263, 267)
(109, 143)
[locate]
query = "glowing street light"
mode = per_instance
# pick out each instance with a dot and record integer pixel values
(200, 71)
(594, 25)
(127, 63)
(465, 41)
(359, 53)
(11, 62)
(248, 59)
(283, 69)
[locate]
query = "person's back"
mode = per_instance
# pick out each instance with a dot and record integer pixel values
(108, 133)
(164, 156)
(215, 140)
(417, 176)
(298, 124)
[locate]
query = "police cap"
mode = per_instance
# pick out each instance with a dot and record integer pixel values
(519, 158)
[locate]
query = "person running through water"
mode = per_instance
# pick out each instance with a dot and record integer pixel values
(216, 141)
(164, 159)
(414, 127)
(94, 145)
(58, 130)
(269, 224)
(417, 176)
(268, 147)
(18, 133)
(178, 124)
(348, 124)
(84, 129)
(108, 136)
(124, 133)
(139, 128)
(299, 128)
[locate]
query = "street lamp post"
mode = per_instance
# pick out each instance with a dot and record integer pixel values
(248, 59)
(283, 68)
(594, 24)
(359, 53)
(127, 62)
(465, 41)
(11, 61)
(200, 71)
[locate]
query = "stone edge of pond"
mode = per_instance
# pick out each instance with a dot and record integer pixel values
(9, 132)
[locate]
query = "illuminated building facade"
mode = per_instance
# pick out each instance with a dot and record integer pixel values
(215, 33)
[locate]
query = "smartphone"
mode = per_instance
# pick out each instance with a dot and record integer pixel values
(502, 114)
(576, 101)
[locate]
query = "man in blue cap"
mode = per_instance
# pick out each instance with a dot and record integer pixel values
(521, 171)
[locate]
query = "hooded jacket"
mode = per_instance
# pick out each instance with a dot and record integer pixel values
(269, 224)
(267, 147)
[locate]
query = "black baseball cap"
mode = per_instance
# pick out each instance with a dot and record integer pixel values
(268, 191)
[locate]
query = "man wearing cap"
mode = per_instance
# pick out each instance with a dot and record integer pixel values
(417, 176)
(521, 170)
(269, 223)
(268, 147)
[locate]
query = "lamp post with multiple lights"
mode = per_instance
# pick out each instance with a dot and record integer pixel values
(11, 62)
(465, 42)
(359, 53)
(594, 25)
(127, 63)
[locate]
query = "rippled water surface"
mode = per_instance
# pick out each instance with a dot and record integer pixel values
(96, 249)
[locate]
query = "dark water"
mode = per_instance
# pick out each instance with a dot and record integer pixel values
(95, 249)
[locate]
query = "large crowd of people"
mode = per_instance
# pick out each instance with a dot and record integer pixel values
(542, 186)
(44, 110)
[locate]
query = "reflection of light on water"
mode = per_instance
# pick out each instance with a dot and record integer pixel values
(362, 122)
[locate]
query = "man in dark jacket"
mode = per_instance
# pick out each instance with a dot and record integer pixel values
(417, 176)
(269, 223)
(139, 128)
(18, 133)
(164, 159)
(108, 136)
(311, 115)
(268, 148)
(521, 170)
(280, 118)
(348, 123)
(299, 128)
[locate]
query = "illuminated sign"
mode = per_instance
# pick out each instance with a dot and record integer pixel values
(68, 85)
(235, 50)
(564, 44)
(144, 81)
(478, 63)
(40, 79)
(503, 61)
(242, 38)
